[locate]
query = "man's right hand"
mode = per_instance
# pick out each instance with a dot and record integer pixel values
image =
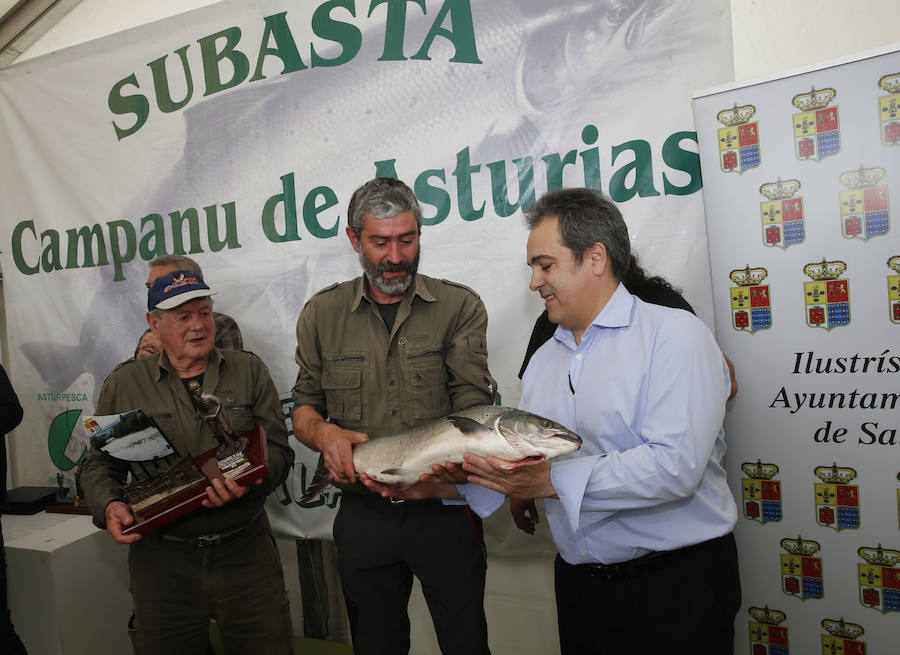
(118, 517)
(149, 345)
(336, 446)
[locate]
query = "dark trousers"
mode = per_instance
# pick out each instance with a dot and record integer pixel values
(381, 546)
(685, 602)
(177, 588)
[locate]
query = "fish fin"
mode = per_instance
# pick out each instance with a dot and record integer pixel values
(468, 426)
(321, 479)
(394, 471)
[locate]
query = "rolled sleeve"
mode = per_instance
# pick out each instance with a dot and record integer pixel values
(308, 385)
(466, 358)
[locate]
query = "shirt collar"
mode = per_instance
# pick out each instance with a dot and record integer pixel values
(163, 365)
(616, 313)
(419, 288)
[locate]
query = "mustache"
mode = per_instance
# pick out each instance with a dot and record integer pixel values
(391, 267)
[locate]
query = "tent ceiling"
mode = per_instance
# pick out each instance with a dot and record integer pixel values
(22, 22)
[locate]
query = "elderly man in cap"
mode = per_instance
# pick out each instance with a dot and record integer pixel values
(219, 561)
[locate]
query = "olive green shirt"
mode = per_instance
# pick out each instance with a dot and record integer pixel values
(363, 376)
(241, 382)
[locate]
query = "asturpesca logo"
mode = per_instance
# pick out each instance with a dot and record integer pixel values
(180, 281)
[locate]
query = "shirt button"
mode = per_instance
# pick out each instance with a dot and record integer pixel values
(394, 412)
(578, 356)
(391, 382)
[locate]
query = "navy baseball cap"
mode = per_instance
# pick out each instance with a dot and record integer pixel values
(176, 288)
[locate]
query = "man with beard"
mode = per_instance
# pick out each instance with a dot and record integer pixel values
(378, 355)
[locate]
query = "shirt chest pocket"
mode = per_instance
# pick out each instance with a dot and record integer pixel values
(240, 417)
(428, 380)
(342, 384)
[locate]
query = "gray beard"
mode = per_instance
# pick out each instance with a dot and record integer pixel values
(393, 287)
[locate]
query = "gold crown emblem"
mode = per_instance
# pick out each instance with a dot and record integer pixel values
(862, 178)
(746, 277)
(833, 474)
(825, 270)
(736, 115)
(765, 615)
(759, 471)
(780, 189)
(800, 546)
(894, 263)
(814, 99)
(890, 82)
(841, 628)
(880, 556)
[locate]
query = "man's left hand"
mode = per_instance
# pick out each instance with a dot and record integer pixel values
(523, 482)
(224, 490)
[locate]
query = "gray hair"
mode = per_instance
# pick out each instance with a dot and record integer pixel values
(381, 197)
(585, 218)
(180, 262)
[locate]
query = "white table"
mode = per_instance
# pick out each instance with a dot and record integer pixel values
(68, 585)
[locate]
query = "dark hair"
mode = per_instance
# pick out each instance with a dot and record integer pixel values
(381, 197)
(585, 217)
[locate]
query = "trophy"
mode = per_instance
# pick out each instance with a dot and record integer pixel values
(163, 484)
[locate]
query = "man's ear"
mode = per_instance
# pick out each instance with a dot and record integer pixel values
(354, 241)
(153, 322)
(597, 258)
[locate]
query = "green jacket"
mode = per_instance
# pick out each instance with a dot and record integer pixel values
(241, 381)
(363, 376)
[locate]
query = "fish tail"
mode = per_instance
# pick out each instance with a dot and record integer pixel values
(321, 479)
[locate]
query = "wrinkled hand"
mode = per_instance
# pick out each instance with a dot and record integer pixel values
(337, 451)
(449, 473)
(523, 482)
(524, 513)
(224, 490)
(149, 345)
(118, 516)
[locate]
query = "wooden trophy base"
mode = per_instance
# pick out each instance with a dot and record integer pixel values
(187, 500)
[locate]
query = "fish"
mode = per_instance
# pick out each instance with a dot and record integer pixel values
(516, 437)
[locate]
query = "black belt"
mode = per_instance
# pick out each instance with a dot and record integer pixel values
(649, 562)
(212, 540)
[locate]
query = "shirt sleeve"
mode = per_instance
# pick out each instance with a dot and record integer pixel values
(683, 402)
(308, 386)
(482, 500)
(469, 380)
(268, 415)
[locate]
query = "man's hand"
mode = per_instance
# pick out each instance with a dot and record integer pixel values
(224, 490)
(417, 491)
(118, 516)
(149, 345)
(335, 443)
(524, 513)
(449, 473)
(523, 482)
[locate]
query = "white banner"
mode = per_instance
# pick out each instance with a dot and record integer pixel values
(236, 134)
(802, 181)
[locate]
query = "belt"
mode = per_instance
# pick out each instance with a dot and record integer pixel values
(651, 561)
(212, 540)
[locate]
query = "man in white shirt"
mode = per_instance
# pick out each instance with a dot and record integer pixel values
(642, 515)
